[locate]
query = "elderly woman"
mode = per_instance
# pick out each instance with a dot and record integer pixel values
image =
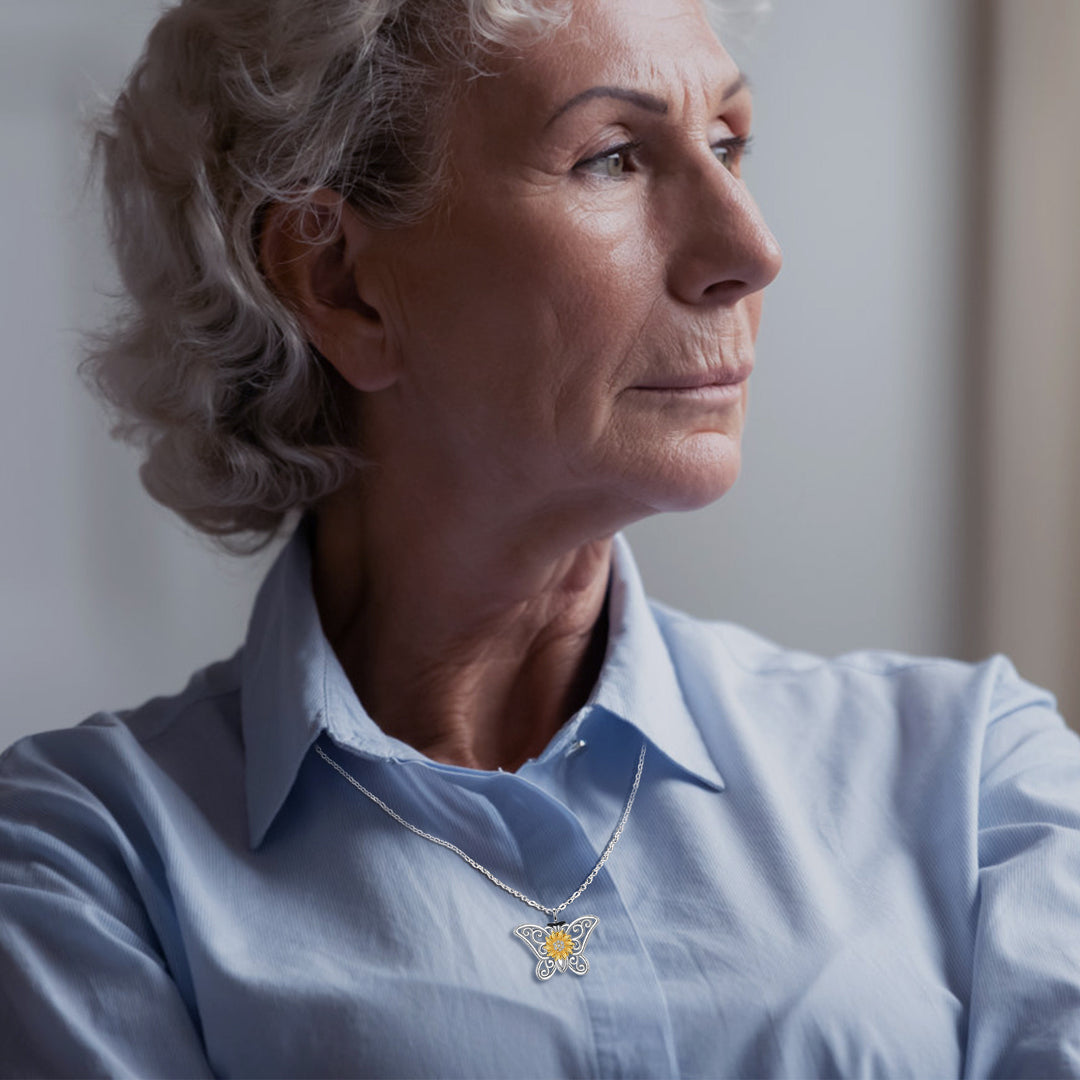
(456, 289)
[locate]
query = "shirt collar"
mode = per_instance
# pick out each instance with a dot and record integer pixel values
(638, 682)
(294, 688)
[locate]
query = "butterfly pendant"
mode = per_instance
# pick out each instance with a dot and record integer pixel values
(559, 946)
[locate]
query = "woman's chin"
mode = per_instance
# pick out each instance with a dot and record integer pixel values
(697, 497)
(705, 469)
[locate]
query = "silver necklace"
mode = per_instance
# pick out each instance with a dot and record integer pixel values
(559, 946)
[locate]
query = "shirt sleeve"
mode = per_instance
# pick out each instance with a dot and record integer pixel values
(1024, 1018)
(84, 988)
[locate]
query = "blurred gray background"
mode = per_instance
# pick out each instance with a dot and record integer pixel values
(909, 477)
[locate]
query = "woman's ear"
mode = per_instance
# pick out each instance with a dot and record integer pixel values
(313, 256)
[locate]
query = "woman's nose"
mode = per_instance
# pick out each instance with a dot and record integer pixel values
(722, 249)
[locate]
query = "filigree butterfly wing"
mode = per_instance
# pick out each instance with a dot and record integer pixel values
(579, 931)
(558, 946)
(534, 937)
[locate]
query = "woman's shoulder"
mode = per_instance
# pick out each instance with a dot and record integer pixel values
(97, 824)
(973, 740)
(859, 685)
(112, 758)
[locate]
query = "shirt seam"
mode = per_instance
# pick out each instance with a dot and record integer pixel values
(816, 660)
(176, 716)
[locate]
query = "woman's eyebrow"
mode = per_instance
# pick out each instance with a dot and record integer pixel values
(636, 97)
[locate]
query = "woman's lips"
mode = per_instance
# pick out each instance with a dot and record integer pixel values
(719, 387)
(727, 376)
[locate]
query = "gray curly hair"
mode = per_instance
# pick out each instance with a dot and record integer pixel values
(236, 105)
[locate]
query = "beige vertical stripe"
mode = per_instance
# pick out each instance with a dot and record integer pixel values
(1030, 433)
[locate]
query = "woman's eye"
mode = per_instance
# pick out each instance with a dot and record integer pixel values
(616, 163)
(612, 164)
(729, 152)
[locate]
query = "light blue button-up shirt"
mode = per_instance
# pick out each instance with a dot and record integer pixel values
(852, 867)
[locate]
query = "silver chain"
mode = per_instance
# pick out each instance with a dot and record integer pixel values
(553, 912)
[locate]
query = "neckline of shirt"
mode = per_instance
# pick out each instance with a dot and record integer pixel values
(293, 688)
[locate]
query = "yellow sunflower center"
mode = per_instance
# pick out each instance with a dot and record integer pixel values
(558, 945)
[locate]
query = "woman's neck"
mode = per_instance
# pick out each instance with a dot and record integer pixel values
(472, 647)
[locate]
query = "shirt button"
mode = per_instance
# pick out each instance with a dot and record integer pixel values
(576, 747)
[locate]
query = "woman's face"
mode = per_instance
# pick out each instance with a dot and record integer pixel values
(597, 262)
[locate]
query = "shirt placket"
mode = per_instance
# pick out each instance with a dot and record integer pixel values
(621, 994)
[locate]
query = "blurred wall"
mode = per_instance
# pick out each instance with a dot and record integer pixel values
(846, 527)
